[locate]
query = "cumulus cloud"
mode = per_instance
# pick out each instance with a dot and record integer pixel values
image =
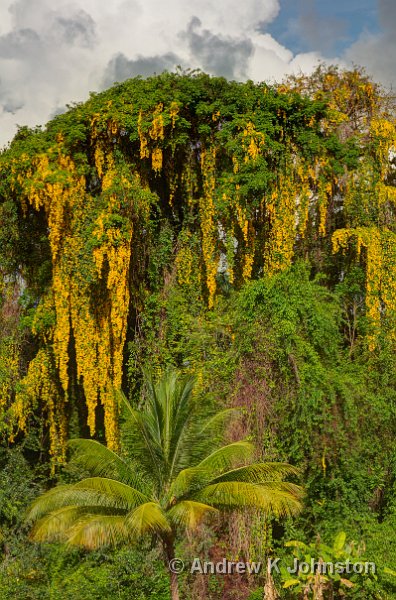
(78, 29)
(220, 55)
(53, 53)
(120, 67)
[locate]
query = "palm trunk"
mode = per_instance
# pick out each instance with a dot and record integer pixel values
(169, 558)
(270, 591)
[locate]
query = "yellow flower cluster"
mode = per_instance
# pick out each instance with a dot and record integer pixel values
(99, 329)
(9, 370)
(144, 151)
(174, 110)
(40, 384)
(157, 134)
(380, 264)
(253, 140)
(282, 215)
(248, 238)
(184, 265)
(207, 220)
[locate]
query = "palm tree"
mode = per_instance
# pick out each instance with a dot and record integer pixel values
(174, 470)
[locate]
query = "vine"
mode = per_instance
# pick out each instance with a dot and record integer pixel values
(247, 178)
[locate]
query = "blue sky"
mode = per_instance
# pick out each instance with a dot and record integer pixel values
(328, 26)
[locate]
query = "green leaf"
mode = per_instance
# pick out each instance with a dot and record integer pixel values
(189, 513)
(290, 583)
(147, 518)
(339, 541)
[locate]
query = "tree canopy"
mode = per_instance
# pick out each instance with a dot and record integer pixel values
(248, 177)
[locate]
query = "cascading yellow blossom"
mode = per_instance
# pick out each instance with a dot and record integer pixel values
(207, 220)
(380, 265)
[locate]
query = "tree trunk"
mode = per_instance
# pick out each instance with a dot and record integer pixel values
(172, 567)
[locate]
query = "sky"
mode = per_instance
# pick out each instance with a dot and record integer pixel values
(54, 52)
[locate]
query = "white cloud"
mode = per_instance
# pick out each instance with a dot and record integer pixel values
(53, 52)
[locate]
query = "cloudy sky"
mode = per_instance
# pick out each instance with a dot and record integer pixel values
(53, 52)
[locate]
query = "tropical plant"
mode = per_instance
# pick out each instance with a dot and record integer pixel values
(331, 570)
(174, 470)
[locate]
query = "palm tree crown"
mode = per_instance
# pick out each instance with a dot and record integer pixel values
(174, 470)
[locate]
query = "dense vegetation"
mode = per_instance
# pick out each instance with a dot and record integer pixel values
(174, 471)
(244, 235)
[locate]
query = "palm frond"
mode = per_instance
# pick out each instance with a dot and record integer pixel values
(100, 461)
(222, 459)
(259, 473)
(145, 445)
(189, 513)
(163, 426)
(65, 495)
(169, 412)
(279, 499)
(182, 409)
(92, 492)
(93, 532)
(193, 478)
(56, 525)
(147, 518)
(124, 495)
(225, 457)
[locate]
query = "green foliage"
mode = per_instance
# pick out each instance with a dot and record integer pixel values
(17, 488)
(51, 573)
(296, 321)
(337, 577)
(175, 470)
